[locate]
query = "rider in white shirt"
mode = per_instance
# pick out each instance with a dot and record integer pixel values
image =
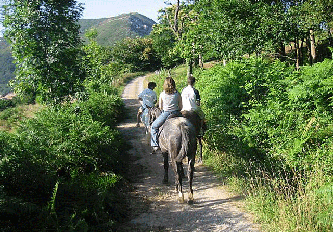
(191, 98)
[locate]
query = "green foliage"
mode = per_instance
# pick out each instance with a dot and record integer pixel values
(164, 42)
(136, 54)
(70, 147)
(104, 108)
(271, 129)
(6, 103)
(44, 38)
(103, 74)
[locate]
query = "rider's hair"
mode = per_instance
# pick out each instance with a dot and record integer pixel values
(151, 85)
(169, 85)
(190, 80)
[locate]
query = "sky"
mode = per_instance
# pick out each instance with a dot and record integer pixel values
(95, 9)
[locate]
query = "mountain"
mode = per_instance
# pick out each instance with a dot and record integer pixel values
(110, 30)
(7, 67)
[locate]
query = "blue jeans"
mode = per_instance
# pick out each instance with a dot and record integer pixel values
(155, 127)
(144, 116)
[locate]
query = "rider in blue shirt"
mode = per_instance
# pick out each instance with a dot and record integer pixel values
(148, 98)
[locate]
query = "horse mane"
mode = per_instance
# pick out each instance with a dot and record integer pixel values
(153, 114)
(186, 141)
(194, 118)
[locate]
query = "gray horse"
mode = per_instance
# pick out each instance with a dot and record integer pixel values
(151, 114)
(200, 128)
(177, 140)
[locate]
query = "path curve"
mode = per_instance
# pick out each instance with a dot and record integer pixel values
(154, 206)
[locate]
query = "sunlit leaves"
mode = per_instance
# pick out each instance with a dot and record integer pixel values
(44, 37)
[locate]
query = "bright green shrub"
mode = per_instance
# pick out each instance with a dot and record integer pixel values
(276, 123)
(230, 94)
(64, 147)
(103, 107)
(264, 108)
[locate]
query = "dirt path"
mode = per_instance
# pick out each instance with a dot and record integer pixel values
(154, 206)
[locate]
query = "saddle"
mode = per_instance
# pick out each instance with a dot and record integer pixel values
(175, 114)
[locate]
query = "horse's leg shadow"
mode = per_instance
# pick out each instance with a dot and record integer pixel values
(200, 150)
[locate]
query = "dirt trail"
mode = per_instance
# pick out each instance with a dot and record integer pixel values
(154, 206)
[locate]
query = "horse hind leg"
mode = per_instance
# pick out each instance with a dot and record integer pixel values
(166, 168)
(190, 178)
(178, 181)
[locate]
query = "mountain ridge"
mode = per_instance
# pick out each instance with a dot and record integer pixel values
(113, 29)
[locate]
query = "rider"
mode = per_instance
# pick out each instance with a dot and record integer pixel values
(170, 102)
(191, 99)
(149, 98)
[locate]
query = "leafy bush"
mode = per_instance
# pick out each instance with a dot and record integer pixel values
(5, 103)
(137, 54)
(271, 128)
(103, 108)
(70, 148)
(268, 108)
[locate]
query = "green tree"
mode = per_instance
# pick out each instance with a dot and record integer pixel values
(44, 37)
(101, 71)
(164, 42)
(136, 54)
(181, 19)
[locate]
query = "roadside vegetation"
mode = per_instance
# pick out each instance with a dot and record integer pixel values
(267, 96)
(270, 137)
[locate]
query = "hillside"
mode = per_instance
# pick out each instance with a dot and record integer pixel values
(7, 67)
(110, 30)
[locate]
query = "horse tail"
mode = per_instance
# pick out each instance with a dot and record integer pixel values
(186, 142)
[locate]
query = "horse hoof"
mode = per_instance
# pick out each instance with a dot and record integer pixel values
(190, 199)
(181, 200)
(180, 197)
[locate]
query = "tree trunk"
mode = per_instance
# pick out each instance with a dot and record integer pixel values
(200, 61)
(301, 56)
(312, 46)
(189, 67)
(330, 38)
(308, 45)
(297, 54)
(176, 29)
(282, 52)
